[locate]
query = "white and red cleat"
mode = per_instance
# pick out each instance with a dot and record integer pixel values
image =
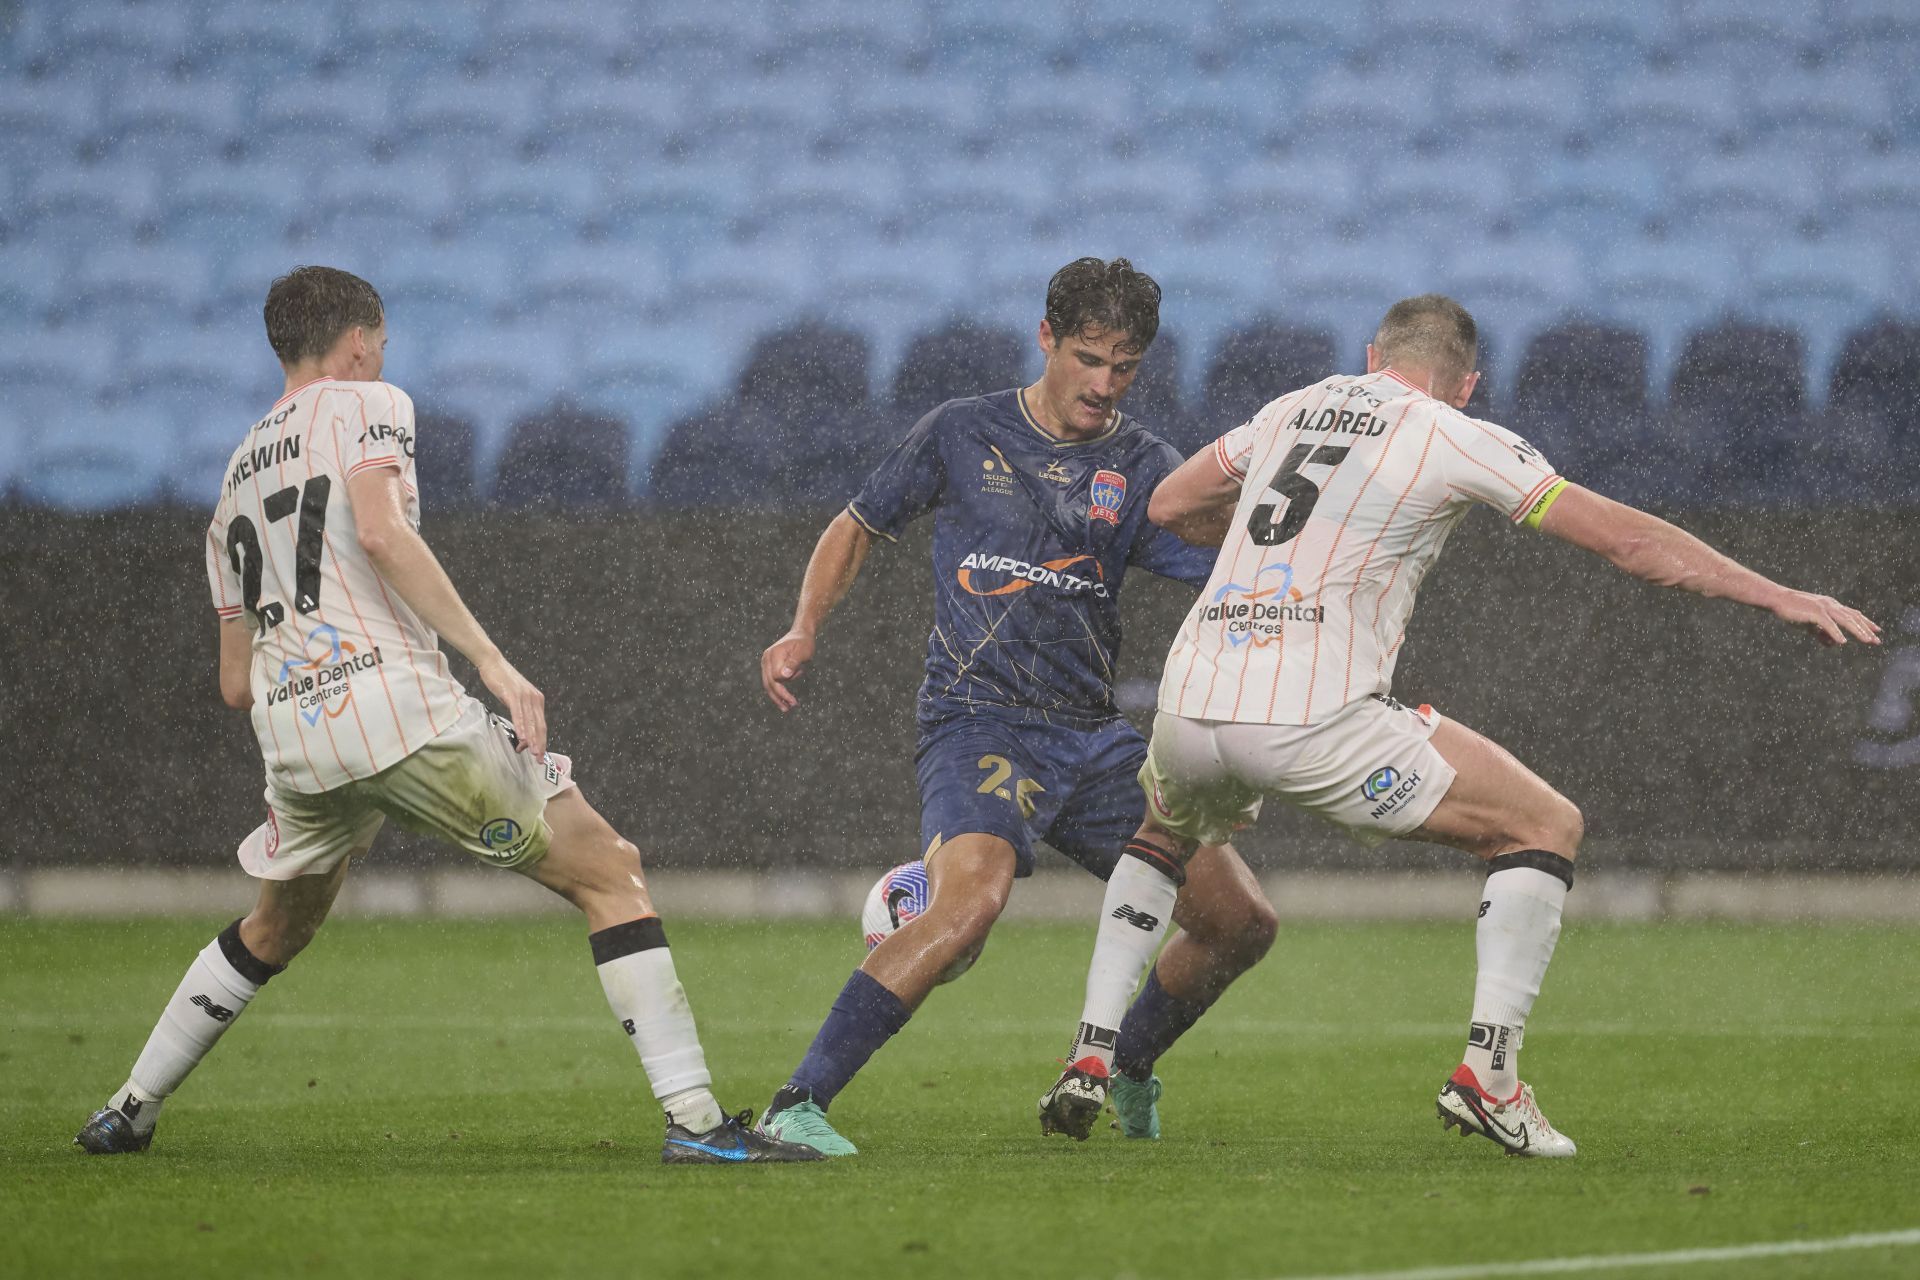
(1075, 1100)
(1514, 1123)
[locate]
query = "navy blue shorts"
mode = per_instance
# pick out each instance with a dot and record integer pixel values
(1076, 789)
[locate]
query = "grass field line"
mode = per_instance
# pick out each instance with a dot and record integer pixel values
(1623, 1261)
(1005, 1026)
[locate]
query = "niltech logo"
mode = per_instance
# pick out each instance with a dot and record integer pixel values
(320, 679)
(1257, 614)
(1025, 574)
(503, 839)
(1379, 782)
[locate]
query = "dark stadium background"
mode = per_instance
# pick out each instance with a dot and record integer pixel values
(665, 279)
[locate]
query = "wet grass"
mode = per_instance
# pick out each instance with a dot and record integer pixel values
(453, 1099)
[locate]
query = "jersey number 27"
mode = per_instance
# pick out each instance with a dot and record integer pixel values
(243, 549)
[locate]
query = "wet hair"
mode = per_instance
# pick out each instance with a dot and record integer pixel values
(1088, 293)
(1431, 331)
(310, 307)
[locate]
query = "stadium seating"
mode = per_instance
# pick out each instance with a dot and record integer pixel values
(564, 455)
(585, 199)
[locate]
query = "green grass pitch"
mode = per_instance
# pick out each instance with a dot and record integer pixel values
(428, 1098)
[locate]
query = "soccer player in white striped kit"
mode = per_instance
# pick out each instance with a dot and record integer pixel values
(1328, 508)
(330, 607)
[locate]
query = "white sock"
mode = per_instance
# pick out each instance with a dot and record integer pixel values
(209, 999)
(1133, 920)
(636, 971)
(1519, 923)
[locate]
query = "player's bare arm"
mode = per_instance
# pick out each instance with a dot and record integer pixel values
(236, 662)
(1196, 502)
(1654, 551)
(835, 563)
(408, 565)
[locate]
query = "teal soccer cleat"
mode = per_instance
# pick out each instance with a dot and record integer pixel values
(805, 1124)
(1134, 1104)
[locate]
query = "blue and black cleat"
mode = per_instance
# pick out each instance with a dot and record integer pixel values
(108, 1132)
(732, 1141)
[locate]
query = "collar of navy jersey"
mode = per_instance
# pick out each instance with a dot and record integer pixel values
(1113, 424)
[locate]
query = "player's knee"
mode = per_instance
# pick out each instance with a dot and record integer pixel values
(1566, 827)
(1260, 927)
(276, 936)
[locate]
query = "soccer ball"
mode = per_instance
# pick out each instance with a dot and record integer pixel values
(897, 897)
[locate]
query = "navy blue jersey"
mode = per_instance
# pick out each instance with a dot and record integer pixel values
(1032, 536)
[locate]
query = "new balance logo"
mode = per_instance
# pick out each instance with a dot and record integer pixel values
(218, 1012)
(1142, 920)
(626, 1025)
(1483, 910)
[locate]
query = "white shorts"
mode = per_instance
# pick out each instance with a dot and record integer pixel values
(1372, 769)
(469, 786)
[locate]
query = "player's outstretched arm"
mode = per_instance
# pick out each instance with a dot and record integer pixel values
(1651, 549)
(1196, 501)
(407, 564)
(835, 563)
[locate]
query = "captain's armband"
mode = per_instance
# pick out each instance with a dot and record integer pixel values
(1533, 511)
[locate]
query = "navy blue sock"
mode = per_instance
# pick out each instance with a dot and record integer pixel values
(1155, 1021)
(865, 1015)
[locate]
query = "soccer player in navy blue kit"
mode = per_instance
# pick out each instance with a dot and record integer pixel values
(1039, 496)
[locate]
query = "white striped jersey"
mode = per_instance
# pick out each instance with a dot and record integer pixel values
(346, 679)
(1351, 487)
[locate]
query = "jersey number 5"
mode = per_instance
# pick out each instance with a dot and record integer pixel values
(243, 549)
(1300, 493)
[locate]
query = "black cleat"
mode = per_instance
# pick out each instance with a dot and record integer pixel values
(732, 1141)
(1074, 1102)
(109, 1133)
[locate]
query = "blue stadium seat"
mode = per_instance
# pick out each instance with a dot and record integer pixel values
(652, 375)
(608, 121)
(45, 122)
(48, 371)
(1674, 117)
(13, 455)
(1884, 34)
(1136, 207)
(1835, 112)
(1600, 199)
(446, 290)
(850, 202)
(32, 283)
(1000, 41)
(1874, 398)
(175, 125)
(849, 41)
(443, 459)
(1261, 361)
(1206, 289)
(1753, 38)
(240, 281)
(957, 359)
(1008, 290)
(472, 122)
(545, 202)
(885, 117)
(196, 377)
(69, 209)
(1745, 199)
(232, 208)
(136, 289)
(1069, 118)
(760, 119)
(1515, 286)
(1825, 288)
(768, 280)
(1437, 202)
(1738, 399)
(1281, 203)
(703, 43)
(419, 38)
(262, 40)
(383, 208)
(1399, 108)
(1344, 287)
(578, 287)
(563, 455)
(1156, 399)
(976, 202)
(493, 374)
(96, 461)
(1665, 289)
(558, 39)
(1518, 119)
(1283, 39)
(1468, 40)
(1220, 121)
(1598, 43)
(1581, 395)
(327, 122)
(888, 292)
(117, 42)
(1877, 198)
(1141, 41)
(676, 205)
